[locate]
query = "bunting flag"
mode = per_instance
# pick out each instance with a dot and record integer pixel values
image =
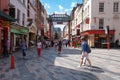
(87, 21)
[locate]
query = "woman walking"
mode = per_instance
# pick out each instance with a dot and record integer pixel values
(39, 44)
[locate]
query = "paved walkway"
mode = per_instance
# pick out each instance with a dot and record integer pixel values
(51, 66)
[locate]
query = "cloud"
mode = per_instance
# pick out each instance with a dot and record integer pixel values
(60, 7)
(73, 4)
(47, 5)
(67, 10)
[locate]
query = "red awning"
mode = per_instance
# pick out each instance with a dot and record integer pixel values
(96, 32)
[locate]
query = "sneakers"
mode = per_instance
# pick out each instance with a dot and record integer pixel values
(79, 66)
(90, 67)
(24, 57)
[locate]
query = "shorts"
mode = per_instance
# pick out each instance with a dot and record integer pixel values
(85, 54)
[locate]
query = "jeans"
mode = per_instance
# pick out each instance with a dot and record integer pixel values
(24, 52)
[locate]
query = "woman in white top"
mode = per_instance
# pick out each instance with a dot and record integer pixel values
(39, 44)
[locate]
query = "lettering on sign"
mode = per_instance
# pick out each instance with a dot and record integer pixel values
(5, 23)
(59, 22)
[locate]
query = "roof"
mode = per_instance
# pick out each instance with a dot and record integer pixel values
(59, 17)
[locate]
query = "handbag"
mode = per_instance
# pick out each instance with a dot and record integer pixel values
(88, 49)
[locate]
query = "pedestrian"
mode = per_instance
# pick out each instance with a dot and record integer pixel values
(84, 46)
(39, 45)
(117, 43)
(24, 48)
(59, 47)
(52, 43)
(5, 49)
(66, 43)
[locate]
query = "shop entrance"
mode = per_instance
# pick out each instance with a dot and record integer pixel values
(2, 41)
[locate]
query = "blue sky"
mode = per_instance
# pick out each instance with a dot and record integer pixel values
(59, 6)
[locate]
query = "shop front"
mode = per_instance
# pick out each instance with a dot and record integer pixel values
(32, 35)
(17, 33)
(98, 38)
(3, 37)
(5, 20)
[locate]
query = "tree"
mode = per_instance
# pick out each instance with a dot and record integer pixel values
(56, 35)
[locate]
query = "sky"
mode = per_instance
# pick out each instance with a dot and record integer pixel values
(59, 6)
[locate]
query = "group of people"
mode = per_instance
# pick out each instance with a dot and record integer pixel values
(58, 46)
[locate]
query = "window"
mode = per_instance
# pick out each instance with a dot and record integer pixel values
(78, 31)
(101, 23)
(23, 20)
(18, 15)
(115, 6)
(101, 7)
(12, 12)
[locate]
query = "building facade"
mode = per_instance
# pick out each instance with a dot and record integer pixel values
(95, 16)
(18, 30)
(31, 21)
(76, 22)
(5, 20)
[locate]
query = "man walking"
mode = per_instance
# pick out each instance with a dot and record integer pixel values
(84, 52)
(24, 48)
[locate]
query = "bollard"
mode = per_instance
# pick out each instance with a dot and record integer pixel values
(12, 62)
(39, 51)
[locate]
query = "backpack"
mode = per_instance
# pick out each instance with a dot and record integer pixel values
(88, 49)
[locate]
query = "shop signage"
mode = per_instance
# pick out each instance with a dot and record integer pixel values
(32, 29)
(24, 31)
(5, 23)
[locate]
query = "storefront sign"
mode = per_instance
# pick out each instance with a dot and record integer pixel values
(15, 31)
(32, 29)
(6, 23)
(24, 31)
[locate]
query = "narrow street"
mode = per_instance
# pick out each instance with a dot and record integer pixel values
(51, 66)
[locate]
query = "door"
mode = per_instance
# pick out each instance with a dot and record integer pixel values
(0, 43)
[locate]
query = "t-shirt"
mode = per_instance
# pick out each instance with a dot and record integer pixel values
(39, 45)
(23, 45)
(84, 46)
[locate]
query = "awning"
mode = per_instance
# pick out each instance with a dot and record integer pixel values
(96, 32)
(18, 29)
(15, 31)
(7, 17)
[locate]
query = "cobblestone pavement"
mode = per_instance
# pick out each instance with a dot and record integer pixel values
(51, 66)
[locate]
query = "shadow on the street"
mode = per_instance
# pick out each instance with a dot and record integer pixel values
(95, 69)
(70, 51)
(50, 66)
